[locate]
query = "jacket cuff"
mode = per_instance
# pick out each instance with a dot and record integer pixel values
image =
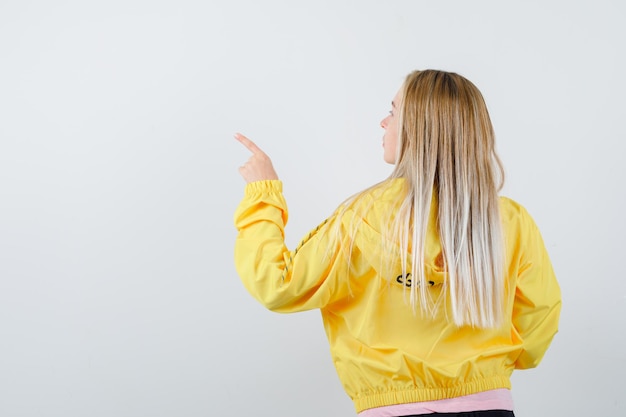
(264, 187)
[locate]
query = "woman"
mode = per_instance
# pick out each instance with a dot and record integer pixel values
(432, 288)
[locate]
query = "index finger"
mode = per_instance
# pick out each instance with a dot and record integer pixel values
(248, 143)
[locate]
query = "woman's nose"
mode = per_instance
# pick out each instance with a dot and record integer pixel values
(383, 123)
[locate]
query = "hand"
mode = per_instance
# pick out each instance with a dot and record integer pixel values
(259, 167)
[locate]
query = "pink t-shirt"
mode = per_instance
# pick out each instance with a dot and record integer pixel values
(497, 399)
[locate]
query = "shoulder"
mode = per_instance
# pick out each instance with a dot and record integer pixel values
(388, 191)
(515, 218)
(510, 209)
(379, 198)
(372, 206)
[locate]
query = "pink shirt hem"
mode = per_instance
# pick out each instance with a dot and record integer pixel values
(497, 399)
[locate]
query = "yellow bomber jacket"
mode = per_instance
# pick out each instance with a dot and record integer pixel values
(383, 352)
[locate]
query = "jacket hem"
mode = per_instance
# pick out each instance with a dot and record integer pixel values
(392, 397)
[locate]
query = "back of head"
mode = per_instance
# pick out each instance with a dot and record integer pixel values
(446, 149)
(446, 130)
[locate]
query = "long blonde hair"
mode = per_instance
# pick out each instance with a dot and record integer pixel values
(446, 150)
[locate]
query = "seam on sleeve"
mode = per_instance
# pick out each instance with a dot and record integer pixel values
(302, 242)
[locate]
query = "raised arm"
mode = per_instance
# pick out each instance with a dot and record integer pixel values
(283, 280)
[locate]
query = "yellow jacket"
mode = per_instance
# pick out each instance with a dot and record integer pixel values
(383, 352)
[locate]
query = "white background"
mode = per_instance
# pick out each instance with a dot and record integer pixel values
(118, 182)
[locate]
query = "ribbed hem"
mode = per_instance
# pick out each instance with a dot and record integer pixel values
(381, 399)
(264, 186)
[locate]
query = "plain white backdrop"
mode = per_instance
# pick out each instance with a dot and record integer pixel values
(118, 182)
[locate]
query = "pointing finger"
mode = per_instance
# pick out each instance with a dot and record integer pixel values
(248, 143)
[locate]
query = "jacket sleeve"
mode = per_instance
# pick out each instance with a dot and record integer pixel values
(537, 305)
(311, 276)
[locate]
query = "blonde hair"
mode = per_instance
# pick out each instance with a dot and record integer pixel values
(446, 150)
